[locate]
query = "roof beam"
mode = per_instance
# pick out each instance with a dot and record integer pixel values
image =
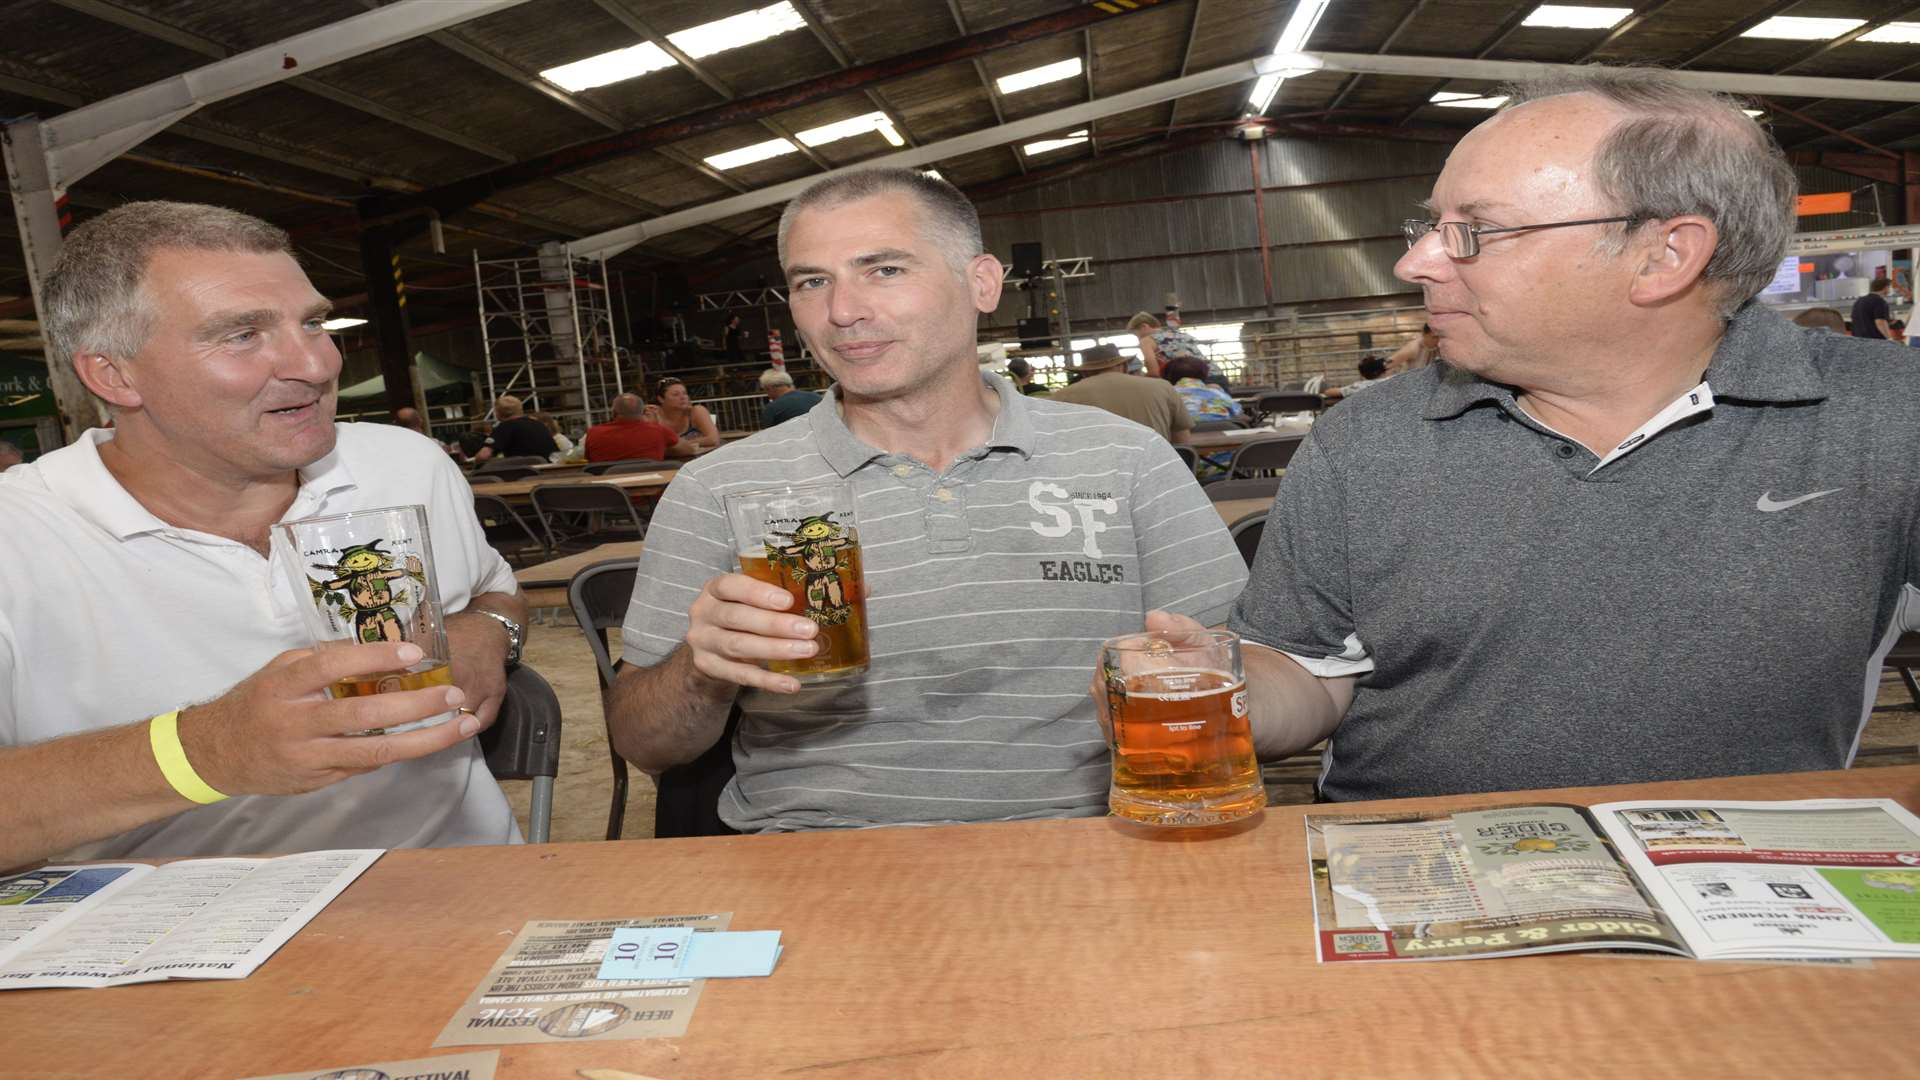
(614, 241)
(1622, 29)
(1352, 80)
(987, 83)
(1735, 82)
(632, 21)
(1499, 37)
(1186, 62)
(1086, 70)
(464, 192)
(845, 60)
(115, 15)
(1734, 31)
(79, 141)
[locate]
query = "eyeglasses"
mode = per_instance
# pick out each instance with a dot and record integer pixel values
(1462, 241)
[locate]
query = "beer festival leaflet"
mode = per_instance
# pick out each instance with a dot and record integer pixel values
(546, 988)
(110, 924)
(1814, 878)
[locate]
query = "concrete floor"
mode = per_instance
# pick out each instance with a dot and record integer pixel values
(557, 649)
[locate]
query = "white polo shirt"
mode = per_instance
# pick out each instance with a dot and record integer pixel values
(109, 615)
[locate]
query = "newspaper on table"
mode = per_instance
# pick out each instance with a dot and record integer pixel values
(117, 923)
(1815, 878)
(546, 988)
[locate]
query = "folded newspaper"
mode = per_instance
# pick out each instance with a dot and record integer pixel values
(1706, 879)
(109, 924)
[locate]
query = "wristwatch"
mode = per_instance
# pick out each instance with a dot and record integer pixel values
(516, 636)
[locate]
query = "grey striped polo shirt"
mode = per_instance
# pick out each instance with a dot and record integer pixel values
(990, 588)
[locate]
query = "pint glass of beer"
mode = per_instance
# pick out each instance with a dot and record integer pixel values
(1176, 707)
(806, 540)
(367, 577)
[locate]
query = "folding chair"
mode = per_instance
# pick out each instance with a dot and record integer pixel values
(507, 532)
(1258, 487)
(585, 515)
(1189, 455)
(1904, 657)
(688, 799)
(642, 466)
(506, 472)
(524, 744)
(1246, 534)
(1257, 456)
(1287, 402)
(505, 464)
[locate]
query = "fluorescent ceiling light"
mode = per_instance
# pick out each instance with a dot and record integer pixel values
(698, 41)
(1802, 28)
(342, 323)
(1074, 138)
(609, 67)
(851, 126)
(737, 30)
(1293, 39)
(1896, 33)
(1568, 17)
(747, 155)
(1040, 76)
(1453, 100)
(1755, 113)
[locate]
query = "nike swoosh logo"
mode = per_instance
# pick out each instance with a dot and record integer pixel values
(1766, 505)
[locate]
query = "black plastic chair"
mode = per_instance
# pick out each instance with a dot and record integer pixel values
(1257, 487)
(1189, 455)
(623, 467)
(1904, 657)
(523, 743)
(580, 516)
(508, 472)
(599, 596)
(1256, 457)
(1215, 425)
(507, 532)
(1287, 402)
(688, 796)
(484, 478)
(1246, 534)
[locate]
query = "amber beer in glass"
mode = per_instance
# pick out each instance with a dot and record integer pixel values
(1176, 706)
(366, 577)
(806, 540)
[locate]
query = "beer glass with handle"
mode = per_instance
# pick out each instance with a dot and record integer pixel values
(1176, 709)
(364, 577)
(806, 540)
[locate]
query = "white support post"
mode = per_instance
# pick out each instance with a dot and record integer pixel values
(36, 210)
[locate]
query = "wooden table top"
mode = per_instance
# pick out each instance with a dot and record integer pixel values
(545, 584)
(1208, 441)
(1084, 948)
(1232, 510)
(629, 482)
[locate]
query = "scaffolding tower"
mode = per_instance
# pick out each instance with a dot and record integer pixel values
(547, 328)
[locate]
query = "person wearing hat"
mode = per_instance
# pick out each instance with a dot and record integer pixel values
(1105, 384)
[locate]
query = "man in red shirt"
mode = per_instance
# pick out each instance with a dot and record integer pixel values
(628, 436)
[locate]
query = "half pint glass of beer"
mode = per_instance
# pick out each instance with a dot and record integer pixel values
(806, 540)
(1176, 706)
(367, 577)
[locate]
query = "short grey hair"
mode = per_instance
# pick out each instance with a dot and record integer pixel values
(951, 221)
(93, 295)
(1687, 151)
(773, 377)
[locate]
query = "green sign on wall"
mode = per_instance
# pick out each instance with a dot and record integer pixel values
(24, 393)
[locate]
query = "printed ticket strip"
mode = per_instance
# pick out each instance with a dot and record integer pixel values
(472, 1065)
(547, 987)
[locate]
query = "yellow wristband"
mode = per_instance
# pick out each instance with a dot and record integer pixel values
(164, 732)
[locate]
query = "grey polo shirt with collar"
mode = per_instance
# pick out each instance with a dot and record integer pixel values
(1713, 601)
(990, 587)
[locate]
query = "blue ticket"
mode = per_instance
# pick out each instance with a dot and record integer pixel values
(668, 952)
